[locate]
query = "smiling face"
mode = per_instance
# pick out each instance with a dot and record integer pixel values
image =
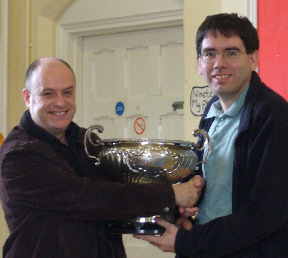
(227, 80)
(51, 100)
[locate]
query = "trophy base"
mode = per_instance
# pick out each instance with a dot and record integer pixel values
(147, 228)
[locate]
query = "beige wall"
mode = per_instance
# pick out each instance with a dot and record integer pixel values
(194, 14)
(16, 59)
(32, 34)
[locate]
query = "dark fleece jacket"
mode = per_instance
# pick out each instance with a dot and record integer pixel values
(258, 225)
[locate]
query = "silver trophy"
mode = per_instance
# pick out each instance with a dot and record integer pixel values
(144, 161)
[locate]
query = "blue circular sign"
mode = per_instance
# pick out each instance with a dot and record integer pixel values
(119, 108)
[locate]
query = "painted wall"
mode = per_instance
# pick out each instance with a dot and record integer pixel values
(273, 44)
(32, 34)
(97, 10)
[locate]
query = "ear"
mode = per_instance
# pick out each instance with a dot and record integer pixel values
(254, 58)
(199, 65)
(26, 97)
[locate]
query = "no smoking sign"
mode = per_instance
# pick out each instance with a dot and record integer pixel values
(139, 125)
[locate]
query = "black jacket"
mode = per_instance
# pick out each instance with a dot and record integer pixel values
(57, 202)
(258, 226)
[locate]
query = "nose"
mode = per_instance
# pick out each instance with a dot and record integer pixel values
(60, 100)
(220, 62)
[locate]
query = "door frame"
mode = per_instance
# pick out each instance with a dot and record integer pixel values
(251, 11)
(70, 37)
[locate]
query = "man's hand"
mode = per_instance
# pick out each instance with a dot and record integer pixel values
(187, 194)
(185, 213)
(188, 212)
(184, 223)
(165, 242)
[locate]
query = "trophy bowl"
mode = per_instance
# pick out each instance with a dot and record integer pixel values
(145, 161)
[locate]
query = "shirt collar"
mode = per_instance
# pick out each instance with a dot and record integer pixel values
(217, 111)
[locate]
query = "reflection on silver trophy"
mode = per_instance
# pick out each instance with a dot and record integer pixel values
(144, 161)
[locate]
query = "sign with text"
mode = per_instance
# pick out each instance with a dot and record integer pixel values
(119, 108)
(199, 98)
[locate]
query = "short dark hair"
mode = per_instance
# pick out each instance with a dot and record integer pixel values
(228, 25)
(35, 65)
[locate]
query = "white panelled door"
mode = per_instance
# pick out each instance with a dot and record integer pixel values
(130, 81)
(144, 71)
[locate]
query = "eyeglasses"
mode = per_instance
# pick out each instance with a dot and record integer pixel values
(229, 55)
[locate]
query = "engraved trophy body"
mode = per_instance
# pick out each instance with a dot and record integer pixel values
(145, 161)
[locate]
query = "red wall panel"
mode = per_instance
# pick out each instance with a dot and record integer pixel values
(273, 34)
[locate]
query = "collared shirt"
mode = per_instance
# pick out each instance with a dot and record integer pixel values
(218, 169)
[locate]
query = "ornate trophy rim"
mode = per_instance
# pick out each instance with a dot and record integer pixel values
(148, 140)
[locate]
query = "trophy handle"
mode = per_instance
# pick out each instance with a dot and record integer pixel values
(207, 141)
(88, 133)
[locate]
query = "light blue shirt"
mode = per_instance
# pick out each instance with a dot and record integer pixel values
(218, 169)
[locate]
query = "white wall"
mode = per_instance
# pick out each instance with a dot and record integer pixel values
(229, 6)
(85, 11)
(90, 10)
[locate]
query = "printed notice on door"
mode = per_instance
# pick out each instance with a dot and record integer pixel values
(199, 98)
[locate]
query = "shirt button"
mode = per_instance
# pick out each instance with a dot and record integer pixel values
(166, 209)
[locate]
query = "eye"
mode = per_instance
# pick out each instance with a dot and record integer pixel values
(232, 53)
(68, 92)
(209, 54)
(47, 94)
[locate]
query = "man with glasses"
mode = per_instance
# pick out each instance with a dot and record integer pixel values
(244, 209)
